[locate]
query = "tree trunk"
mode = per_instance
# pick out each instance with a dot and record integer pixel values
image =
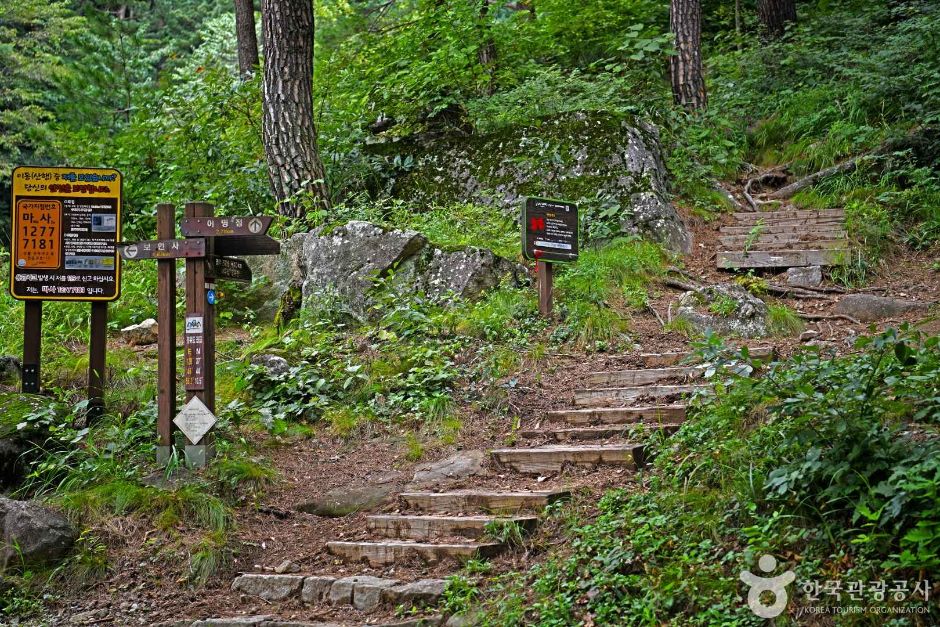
(487, 52)
(246, 37)
(688, 81)
(288, 131)
(774, 16)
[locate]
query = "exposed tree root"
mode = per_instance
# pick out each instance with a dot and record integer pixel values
(806, 316)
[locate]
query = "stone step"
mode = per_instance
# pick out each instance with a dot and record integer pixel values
(581, 434)
(362, 592)
(270, 620)
(389, 552)
(468, 501)
(662, 360)
(599, 397)
(643, 377)
(424, 528)
(546, 459)
(620, 415)
(782, 258)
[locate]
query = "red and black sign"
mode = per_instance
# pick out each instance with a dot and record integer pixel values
(549, 230)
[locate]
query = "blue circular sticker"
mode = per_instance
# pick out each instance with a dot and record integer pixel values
(210, 296)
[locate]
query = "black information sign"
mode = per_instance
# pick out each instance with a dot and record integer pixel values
(549, 230)
(66, 225)
(231, 269)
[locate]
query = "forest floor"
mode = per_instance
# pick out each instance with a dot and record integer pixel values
(140, 590)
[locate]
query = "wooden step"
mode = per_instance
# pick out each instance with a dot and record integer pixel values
(467, 501)
(752, 217)
(803, 222)
(620, 415)
(782, 258)
(661, 360)
(391, 552)
(829, 230)
(545, 459)
(587, 434)
(600, 397)
(643, 377)
(775, 242)
(425, 528)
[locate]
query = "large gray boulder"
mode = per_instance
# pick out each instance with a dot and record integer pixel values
(725, 309)
(460, 466)
(341, 268)
(611, 165)
(871, 308)
(33, 533)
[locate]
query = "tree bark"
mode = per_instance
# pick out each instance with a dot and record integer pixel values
(246, 37)
(688, 80)
(288, 132)
(774, 16)
(487, 52)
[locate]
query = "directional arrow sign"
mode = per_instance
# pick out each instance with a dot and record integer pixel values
(165, 249)
(243, 245)
(222, 227)
(231, 269)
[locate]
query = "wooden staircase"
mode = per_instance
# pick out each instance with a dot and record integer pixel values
(453, 526)
(784, 239)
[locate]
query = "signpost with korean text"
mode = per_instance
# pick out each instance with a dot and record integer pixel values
(206, 239)
(549, 235)
(66, 228)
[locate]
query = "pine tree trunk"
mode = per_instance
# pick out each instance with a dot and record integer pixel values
(288, 131)
(775, 14)
(688, 80)
(246, 37)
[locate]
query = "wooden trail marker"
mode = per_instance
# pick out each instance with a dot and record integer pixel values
(205, 235)
(549, 235)
(66, 228)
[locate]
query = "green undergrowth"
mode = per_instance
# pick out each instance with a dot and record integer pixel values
(829, 464)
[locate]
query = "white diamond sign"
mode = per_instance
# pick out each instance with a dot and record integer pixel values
(195, 420)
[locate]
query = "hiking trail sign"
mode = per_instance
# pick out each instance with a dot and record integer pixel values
(66, 225)
(206, 238)
(549, 235)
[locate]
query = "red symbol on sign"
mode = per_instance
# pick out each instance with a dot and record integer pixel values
(537, 224)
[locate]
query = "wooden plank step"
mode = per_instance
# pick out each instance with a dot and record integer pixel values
(752, 217)
(554, 458)
(391, 552)
(643, 377)
(778, 229)
(466, 501)
(777, 242)
(585, 434)
(782, 258)
(600, 397)
(661, 360)
(426, 528)
(620, 415)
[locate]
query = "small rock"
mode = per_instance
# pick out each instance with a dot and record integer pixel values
(268, 587)
(286, 566)
(459, 466)
(423, 591)
(316, 589)
(274, 365)
(810, 276)
(808, 335)
(141, 334)
(871, 308)
(11, 369)
(33, 533)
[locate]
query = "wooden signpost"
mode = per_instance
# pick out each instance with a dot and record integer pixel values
(549, 235)
(204, 236)
(66, 228)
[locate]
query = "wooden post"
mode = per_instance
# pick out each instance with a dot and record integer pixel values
(97, 360)
(32, 346)
(544, 271)
(166, 338)
(197, 305)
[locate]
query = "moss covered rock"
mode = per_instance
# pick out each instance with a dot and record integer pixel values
(611, 165)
